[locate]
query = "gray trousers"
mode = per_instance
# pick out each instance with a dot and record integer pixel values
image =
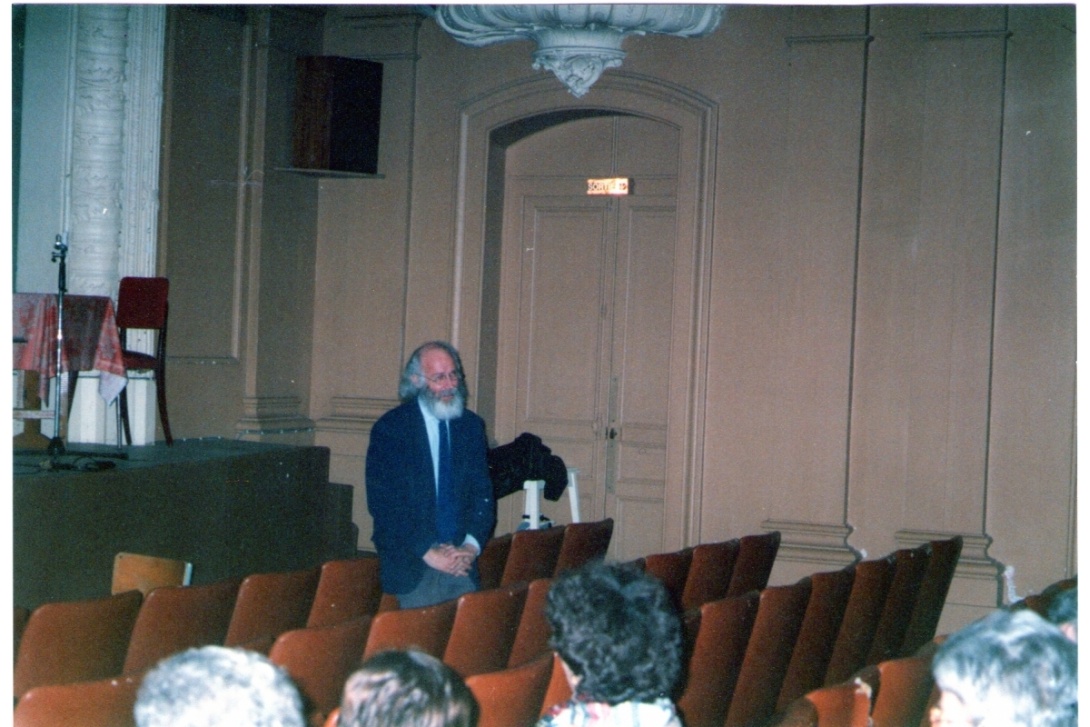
(435, 587)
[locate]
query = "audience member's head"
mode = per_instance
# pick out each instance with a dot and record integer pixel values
(617, 632)
(214, 685)
(406, 689)
(1011, 668)
(1063, 610)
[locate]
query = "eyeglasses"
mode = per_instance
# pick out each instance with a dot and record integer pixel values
(450, 378)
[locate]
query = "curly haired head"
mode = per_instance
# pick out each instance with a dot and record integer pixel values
(395, 688)
(617, 630)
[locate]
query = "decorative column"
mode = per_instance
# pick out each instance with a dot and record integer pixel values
(113, 195)
(97, 165)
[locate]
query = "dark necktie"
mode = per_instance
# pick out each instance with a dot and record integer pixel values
(446, 510)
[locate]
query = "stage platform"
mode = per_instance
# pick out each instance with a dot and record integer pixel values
(229, 507)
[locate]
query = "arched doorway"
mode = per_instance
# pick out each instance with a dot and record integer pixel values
(489, 127)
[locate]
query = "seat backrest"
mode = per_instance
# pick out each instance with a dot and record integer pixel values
(512, 697)
(559, 689)
(672, 569)
(136, 571)
(346, 589)
(176, 618)
(492, 560)
(98, 703)
(533, 555)
(842, 705)
(709, 573)
(829, 592)
(532, 636)
(426, 629)
(864, 609)
(909, 568)
(756, 556)
(768, 653)
(269, 604)
(72, 641)
(933, 591)
(142, 302)
(712, 672)
(485, 625)
(904, 688)
(320, 659)
(583, 543)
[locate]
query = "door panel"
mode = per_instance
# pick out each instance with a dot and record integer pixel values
(585, 325)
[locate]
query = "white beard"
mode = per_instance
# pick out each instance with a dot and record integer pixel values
(441, 410)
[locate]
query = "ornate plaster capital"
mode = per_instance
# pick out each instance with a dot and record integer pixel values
(576, 42)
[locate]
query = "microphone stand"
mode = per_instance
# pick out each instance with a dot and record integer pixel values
(56, 446)
(60, 254)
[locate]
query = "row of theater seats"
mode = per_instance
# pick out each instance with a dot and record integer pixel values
(753, 650)
(893, 693)
(315, 622)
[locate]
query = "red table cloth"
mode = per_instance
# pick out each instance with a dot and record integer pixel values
(90, 339)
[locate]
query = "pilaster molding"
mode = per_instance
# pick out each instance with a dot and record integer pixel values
(143, 88)
(815, 544)
(974, 563)
(354, 414)
(272, 415)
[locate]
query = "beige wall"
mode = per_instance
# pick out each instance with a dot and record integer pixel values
(883, 305)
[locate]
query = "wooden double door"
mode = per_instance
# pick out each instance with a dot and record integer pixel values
(585, 316)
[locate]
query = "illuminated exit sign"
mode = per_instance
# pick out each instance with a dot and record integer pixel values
(613, 185)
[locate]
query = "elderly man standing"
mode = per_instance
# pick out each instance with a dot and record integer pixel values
(428, 489)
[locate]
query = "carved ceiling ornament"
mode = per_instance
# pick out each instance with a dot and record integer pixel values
(576, 42)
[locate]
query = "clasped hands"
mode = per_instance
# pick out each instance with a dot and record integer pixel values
(449, 559)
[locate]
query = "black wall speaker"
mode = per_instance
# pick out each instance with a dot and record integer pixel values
(337, 108)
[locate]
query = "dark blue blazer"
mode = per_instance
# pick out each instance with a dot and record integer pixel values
(401, 491)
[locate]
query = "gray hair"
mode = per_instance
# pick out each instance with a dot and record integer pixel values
(410, 688)
(412, 376)
(215, 685)
(1011, 668)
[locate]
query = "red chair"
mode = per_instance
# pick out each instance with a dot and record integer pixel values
(73, 641)
(559, 689)
(933, 592)
(829, 592)
(347, 589)
(842, 705)
(532, 636)
(142, 304)
(902, 689)
(909, 568)
(583, 542)
(320, 659)
(426, 629)
(861, 616)
(268, 604)
(492, 560)
(771, 641)
(533, 555)
(756, 556)
(672, 569)
(717, 655)
(99, 703)
(709, 573)
(176, 618)
(512, 697)
(485, 625)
